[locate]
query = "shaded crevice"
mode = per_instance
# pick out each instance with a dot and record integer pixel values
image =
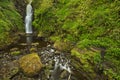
(21, 7)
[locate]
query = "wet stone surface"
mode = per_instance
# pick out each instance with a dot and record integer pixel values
(56, 64)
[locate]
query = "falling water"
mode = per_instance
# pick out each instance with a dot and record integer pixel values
(59, 66)
(28, 18)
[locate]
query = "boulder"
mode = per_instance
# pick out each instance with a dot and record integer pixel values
(62, 45)
(30, 64)
(8, 70)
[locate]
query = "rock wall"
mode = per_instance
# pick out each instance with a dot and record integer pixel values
(20, 6)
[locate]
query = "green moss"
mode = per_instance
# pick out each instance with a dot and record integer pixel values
(15, 53)
(62, 45)
(30, 64)
(85, 23)
(10, 21)
(87, 60)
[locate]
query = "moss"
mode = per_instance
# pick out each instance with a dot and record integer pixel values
(86, 60)
(86, 24)
(14, 53)
(10, 22)
(30, 64)
(85, 56)
(63, 46)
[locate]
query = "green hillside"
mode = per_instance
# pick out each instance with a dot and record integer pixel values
(86, 24)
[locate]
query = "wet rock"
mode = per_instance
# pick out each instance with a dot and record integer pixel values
(64, 75)
(57, 52)
(23, 44)
(33, 49)
(30, 64)
(35, 44)
(8, 70)
(14, 49)
(42, 34)
(84, 62)
(62, 45)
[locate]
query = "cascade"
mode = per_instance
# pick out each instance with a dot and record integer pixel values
(59, 66)
(28, 18)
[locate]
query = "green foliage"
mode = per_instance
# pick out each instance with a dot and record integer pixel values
(86, 23)
(88, 60)
(10, 21)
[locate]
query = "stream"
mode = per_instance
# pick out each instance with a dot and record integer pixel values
(57, 64)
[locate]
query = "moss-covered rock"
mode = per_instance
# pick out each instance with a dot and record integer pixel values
(85, 62)
(30, 64)
(43, 34)
(15, 53)
(62, 45)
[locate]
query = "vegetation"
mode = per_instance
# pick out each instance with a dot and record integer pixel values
(86, 24)
(10, 21)
(88, 29)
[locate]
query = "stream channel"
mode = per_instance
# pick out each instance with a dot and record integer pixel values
(57, 63)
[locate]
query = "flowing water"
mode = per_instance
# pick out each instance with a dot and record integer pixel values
(28, 18)
(57, 64)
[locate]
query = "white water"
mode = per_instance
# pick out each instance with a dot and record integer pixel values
(59, 66)
(28, 18)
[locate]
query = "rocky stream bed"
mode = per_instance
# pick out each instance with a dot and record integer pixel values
(56, 65)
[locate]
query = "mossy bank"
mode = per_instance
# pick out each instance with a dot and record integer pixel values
(10, 23)
(85, 24)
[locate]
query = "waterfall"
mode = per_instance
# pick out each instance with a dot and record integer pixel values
(59, 66)
(28, 18)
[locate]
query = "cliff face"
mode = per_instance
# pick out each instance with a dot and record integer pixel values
(10, 22)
